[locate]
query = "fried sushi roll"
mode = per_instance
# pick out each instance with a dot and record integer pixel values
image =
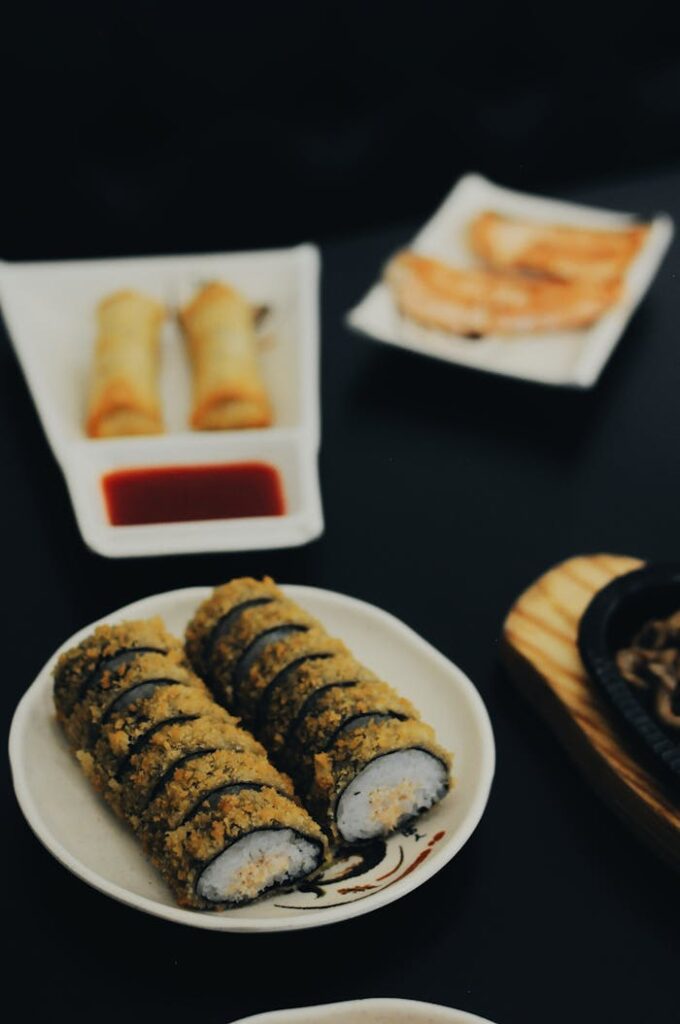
(124, 397)
(124, 684)
(378, 777)
(250, 842)
(229, 393)
(181, 742)
(290, 703)
(99, 668)
(193, 785)
(139, 748)
(323, 717)
(216, 615)
(197, 784)
(243, 624)
(336, 711)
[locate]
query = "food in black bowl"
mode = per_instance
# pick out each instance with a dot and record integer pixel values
(629, 641)
(652, 664)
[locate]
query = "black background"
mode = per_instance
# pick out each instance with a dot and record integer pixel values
(137, 127)
(156, 128)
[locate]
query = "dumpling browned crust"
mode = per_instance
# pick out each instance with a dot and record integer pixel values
(555, 250)
(478, 302)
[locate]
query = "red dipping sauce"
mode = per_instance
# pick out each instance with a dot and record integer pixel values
(176, 494)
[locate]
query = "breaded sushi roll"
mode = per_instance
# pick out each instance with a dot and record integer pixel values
(243, 623)
(166, 756)
(216, 616)
(197, 784)
(377, 777)
(288, 704)
(261, 676)
(128, 683)
(135, 744)
(181, 742)
(310, 701)
(335, 711)
(95, 661)
(250, 842)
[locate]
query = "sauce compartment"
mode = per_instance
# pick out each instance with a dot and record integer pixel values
(299, 521)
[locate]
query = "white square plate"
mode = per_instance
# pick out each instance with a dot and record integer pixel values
(49, 311)
(567, 358)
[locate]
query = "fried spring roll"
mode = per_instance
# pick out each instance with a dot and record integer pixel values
(124, 396)
(229, 393)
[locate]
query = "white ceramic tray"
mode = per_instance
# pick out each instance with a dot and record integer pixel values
(81, 832)
(573, 358)
(49, 311)
(369, 1011)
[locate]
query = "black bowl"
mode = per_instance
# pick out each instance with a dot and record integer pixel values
(609, 623)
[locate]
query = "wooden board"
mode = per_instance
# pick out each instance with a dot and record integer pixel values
(540, 652)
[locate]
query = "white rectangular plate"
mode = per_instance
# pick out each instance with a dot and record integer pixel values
(49, 310)
(566, 358)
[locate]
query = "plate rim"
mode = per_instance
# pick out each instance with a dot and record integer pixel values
(378, 1003)
(222, 922)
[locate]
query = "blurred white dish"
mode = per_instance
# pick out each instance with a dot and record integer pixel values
(49, 309)
(79, 830)
(369, 1011)
(572, 358)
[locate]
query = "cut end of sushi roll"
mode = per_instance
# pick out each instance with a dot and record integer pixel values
(389, 791)
(258, 862)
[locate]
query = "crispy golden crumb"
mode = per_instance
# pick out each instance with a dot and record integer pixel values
(76, 668)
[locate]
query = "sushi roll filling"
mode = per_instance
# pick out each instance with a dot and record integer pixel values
(388, 791)
(261, 860)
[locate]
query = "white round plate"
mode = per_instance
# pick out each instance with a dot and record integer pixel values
(79, 829)
(369, 1011)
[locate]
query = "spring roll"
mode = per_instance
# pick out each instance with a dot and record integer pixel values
(124, 397)
(229, 393)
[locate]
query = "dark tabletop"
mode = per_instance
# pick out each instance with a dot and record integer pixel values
(445, 493)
